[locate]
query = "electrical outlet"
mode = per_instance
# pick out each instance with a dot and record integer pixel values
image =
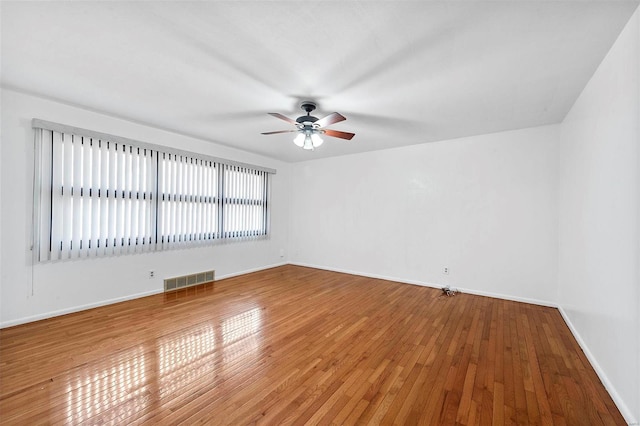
(152, 274)
(445, 270)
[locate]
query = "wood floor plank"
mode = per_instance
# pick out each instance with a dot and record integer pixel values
(295, 345)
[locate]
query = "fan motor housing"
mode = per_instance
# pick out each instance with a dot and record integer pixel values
(306, 118)
(307, 106)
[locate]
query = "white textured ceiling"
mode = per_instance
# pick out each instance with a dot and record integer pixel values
(402, 72)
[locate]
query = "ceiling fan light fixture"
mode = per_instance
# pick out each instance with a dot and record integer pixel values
(299, 140)
(308, 139)
(316, 140)
(308, 142)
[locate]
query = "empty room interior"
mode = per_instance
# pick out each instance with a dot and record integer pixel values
(319, 212)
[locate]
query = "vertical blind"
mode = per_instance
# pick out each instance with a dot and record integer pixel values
(100, 195)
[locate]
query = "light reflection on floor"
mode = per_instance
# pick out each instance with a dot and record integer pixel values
(130, 382)
(239, 336)
(184, 357)
(115, 388)
(242, 325)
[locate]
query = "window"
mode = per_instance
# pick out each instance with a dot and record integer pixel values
(188, 196)
(244, 200)
(100, 195)
(201, 200)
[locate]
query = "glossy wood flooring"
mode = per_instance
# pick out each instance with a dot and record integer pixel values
(294, 345)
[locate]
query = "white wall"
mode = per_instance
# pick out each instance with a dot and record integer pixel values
(484, 206)
(599, 211)
(29, 292)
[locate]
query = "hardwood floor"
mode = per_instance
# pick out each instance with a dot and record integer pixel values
(294, 345)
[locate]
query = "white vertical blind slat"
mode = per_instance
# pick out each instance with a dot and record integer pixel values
(224, 193)
(113, 198)
(226, 197)
(67, 184)
(224, 184)
(200, 201)
(264, 182)
(138, 198)
(252, 210)
(110, 246)
(213, 206)
(215, 212)
(254, 184)
(254, 206)
(178, 200)
(76, 189)
(173, 215)
(177, 204)
(87, 202)
(229, 202)
(119, 201)
(162, 202)
(96, 210)
(251, 183)
(263, 201)
(245, 203)
(141, 200)
(147, 237)
(128, 186)
(233, 214)
(163, 199)
(169, 206)
(238, 203)
(241, 203)
(183, 202)
(173, 182)
(217, 208)
(204, 203)
(142, 217)
(238, 210)
(190, 213)
(186, 205)
(195, 202)
(149, 163)
(58, 207)
(136, 217)
(44, 156)
(164, 194)
(259, 201)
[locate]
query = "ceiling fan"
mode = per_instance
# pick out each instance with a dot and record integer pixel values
(309, 128)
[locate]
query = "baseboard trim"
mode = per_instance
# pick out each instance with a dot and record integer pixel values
(249, 271)
(59, 312)
(624, 409)
(432, 285)
(509, 297)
